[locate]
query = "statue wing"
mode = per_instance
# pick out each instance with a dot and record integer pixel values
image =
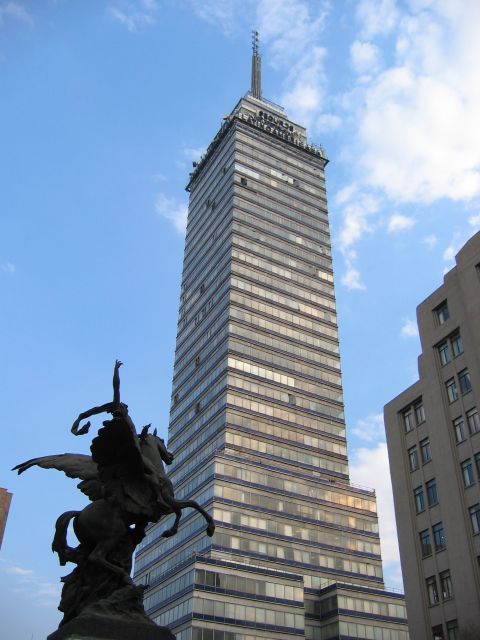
(73, 465)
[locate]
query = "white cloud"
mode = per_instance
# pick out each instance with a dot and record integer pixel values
(327, 122)
(409, 329)
(134, 14)
(370, 428)
(369, 467)
(365, 56)
(193, 153)
(7, 267)
(399, 222)
(30, 585)
(430, 241)
(358, 207)
(14, 11)
(172, 210)
(226, 14)
(474, 221)
(352, 280)
(377, 17)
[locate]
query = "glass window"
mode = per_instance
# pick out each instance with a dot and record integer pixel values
(473, 421)
(425, 450)
(464, 381)
(419, 412)
(459, 429)
(477, 464)
(452, 630)
(451, 387)
(437, 632)
(432, 497)
(442, 313)
(419, 499)
(413, 458)
(444, 352)
(457, 345)
(425, 543)
(432, 590)
(408, 420)
(475, 517)
(467, 472)
(438, 536)
(446, 585)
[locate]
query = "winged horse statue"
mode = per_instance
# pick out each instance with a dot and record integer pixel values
(128, 487)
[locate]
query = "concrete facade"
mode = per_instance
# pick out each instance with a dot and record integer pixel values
(433, 437)
(256, 423)
(5, 500)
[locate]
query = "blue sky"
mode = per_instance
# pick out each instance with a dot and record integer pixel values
(103, 107)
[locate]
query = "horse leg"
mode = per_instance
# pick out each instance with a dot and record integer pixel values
(100, 552)
(183, 504)
(174, 528)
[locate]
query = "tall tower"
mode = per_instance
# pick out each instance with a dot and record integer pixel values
(256, 422)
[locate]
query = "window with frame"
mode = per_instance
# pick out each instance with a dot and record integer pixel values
(408, 420)
(432, 590)
(413, 458)
(432, 497)
(451, 387)
(425, 543)
(464, 381)
(467, 472)
(459, 429)
(444, 353)
(457, 345)
(474, 513)
(446, 588)
(477, 464)
(438, 536)
(442, 313)
(452, 630)
(437, 632)
(419, 412)
(419, 499)
(473, 421)
(425, 450)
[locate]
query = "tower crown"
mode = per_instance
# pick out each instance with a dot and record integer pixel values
(256, 85)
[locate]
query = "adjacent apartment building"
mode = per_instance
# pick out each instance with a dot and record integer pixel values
(257, 424)
(5, 499)
(433, 436)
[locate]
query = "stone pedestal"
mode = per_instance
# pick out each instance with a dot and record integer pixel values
(103, 628)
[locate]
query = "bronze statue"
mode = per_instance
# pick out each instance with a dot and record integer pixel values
(126, 482)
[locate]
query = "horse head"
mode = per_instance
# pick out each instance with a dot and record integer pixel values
(155, 442)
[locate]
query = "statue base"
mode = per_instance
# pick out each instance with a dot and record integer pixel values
(104, 628)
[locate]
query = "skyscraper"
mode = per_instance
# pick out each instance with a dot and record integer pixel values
(5, 499)
(256, 422)
(433, 436)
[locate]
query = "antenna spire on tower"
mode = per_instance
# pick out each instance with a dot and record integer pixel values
(256, 89)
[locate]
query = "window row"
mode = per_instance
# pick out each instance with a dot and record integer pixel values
(256, 616)
(281, 315)
(362, 605)
(473, 423)
(287, 453)
(464, 384)
(300, 509)
(295, 417)
(431, 493)
(278, 551)
(425, 454)
(291, 363)
(438, 536)
(289, 435)
(356, 630)
(251, 586)
(301, 531)
(413, 415)
(199, 633)
(173, 588)
(451, 347)
(452, 631)
(444, 593)
(295, 485)
(295, 338)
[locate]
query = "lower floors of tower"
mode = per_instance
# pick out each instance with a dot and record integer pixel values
(212, 597)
